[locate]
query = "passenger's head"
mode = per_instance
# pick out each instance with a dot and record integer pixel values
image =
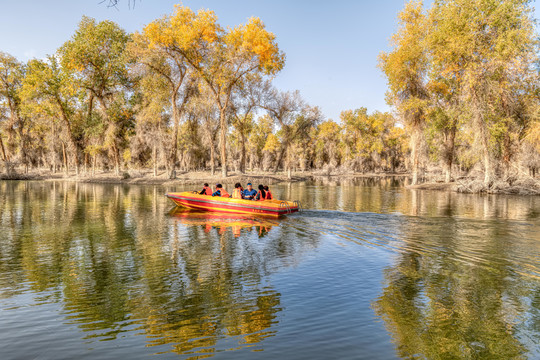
(237, 185)
(218, 186)
(249, 187)
(205, 184)
(261, 187)
(266, 187)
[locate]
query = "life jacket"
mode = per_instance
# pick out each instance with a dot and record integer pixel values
(207, 190)
(223, 193)
(269, 195)
(260, 195)
(237, 193)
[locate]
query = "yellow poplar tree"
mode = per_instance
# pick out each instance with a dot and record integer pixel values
(222, 58)
(159, 60)
(489, 49)
(48, 88)
(96, 57)
(11, 75)
(327, 143)
(406, 67)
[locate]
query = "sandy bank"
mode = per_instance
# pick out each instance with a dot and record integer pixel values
(476, 186)
(527, 186)
(147, 178)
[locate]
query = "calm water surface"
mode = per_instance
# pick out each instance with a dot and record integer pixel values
(370, 270)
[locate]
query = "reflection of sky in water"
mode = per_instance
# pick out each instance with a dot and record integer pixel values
(369, 270)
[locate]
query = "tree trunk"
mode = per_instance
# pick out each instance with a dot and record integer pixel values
(66, 170)
(90, 106)
(448, 173)
(212, 157)
(71, 136)
(89, 118)
(449, 153)
(243, 155)
(280, 157)
(174, 148)
(414, 156)
(116, 160)
(507, 155)
(289, 163)
(154, 156)
(24, 156)
(487, 162)
(482, 132)
(223, 125)
(52, 148)
(4, 156)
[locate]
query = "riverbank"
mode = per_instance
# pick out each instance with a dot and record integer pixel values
(475, 186)
(188, 178)
(527, 186)
(146, 177)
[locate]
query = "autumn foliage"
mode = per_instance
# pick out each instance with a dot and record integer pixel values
(184, 93)
(463, 77)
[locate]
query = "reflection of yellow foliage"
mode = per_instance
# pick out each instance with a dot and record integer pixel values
(96, 248)
(440, 306)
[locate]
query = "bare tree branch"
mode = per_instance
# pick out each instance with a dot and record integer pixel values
(114, 3)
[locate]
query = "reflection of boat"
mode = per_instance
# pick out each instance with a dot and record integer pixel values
(193, 200)
(223, 220)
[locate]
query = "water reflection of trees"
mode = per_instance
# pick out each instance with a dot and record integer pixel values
(388, 195)
(456, 290)
(119, 263)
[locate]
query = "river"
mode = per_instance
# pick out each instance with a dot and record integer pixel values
(368, 270)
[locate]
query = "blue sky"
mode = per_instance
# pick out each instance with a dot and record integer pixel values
(331, 46)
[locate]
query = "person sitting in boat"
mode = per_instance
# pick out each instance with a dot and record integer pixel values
(268, 193)
(220, 191)
(238, 192)
(207, 190)
(261, 194)
(250, 192)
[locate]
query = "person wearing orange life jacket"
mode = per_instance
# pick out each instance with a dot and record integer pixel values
(261, 194)
(207, 190)
(238, 192)
(268, 193)
(220, 191)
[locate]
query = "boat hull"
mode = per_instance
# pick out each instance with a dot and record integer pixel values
(274, 208)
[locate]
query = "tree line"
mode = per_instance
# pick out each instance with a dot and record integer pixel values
(186, 94)
(464, 77)
(181, 93)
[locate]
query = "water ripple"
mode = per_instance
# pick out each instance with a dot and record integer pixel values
(491, 244)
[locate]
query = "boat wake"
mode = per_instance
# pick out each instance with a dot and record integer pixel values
(492, 244)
